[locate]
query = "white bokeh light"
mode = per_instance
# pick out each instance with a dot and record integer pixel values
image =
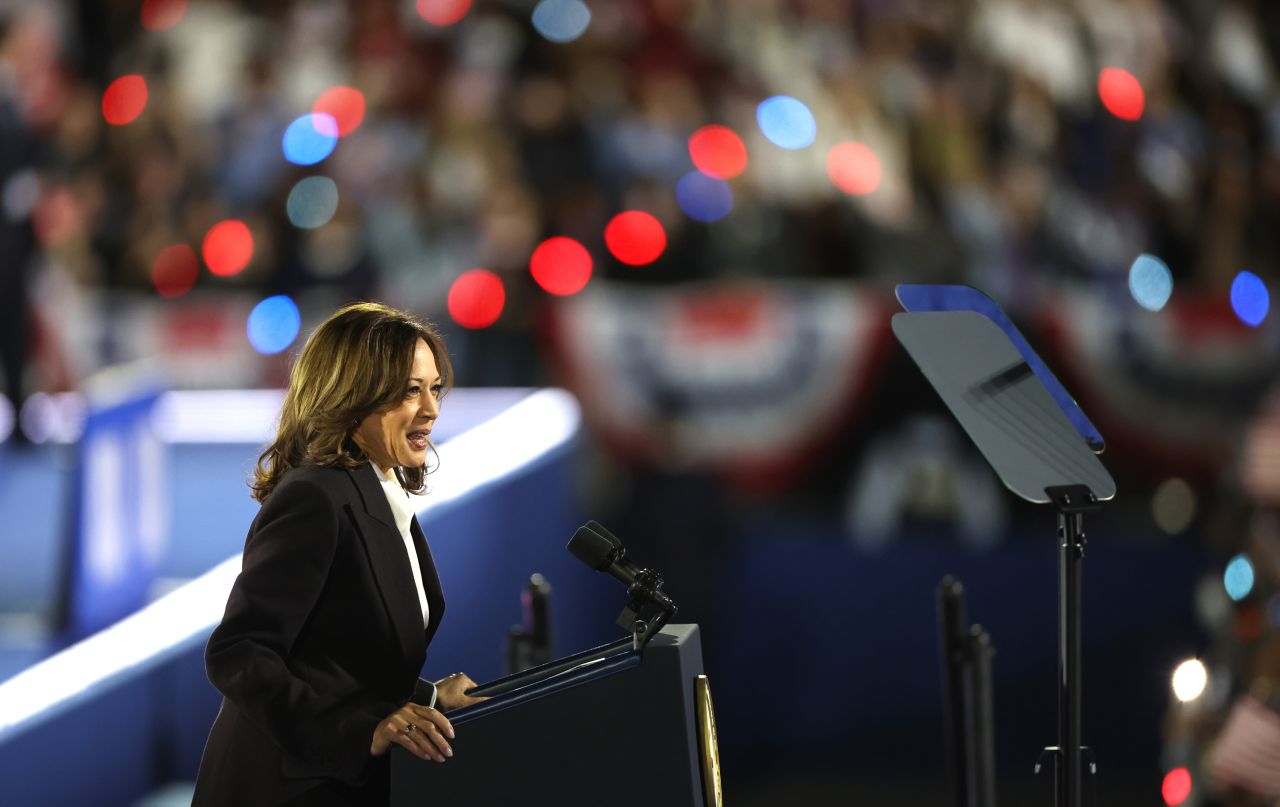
(1190, 680)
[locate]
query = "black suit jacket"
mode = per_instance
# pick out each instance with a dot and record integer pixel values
(322, 639)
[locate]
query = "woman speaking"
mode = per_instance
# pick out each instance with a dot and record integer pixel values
(327, 626)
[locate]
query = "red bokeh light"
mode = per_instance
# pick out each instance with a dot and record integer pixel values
(476, 298)
(175, 270)
(161, 15)
(344, 104)
(1176, 786)
(443, 12)
(561, 265)
(124, 99)
(1121, 93)
(854, 168)
(635, 238)
(718, 151)
(228, 247)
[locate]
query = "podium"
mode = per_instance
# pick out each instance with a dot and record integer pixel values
(611, 725)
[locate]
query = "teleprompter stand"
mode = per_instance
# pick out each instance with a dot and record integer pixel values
(1000, 401)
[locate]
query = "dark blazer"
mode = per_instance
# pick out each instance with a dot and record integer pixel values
(322, 639)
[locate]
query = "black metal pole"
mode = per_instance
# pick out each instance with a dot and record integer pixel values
(953, 644)
(984, 749)
(1071, 553)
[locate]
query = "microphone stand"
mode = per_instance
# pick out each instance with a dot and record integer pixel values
(644, 615)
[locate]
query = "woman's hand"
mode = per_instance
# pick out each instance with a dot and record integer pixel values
(451, 692)
(420, 729)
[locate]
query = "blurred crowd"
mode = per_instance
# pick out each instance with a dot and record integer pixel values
(1001, 167)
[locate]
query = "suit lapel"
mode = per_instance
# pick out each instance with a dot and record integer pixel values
(430, 579)
(391, 568)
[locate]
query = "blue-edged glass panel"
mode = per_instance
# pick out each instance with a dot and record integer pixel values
(922, 297)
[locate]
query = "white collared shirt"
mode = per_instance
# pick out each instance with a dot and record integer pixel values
(402, 510)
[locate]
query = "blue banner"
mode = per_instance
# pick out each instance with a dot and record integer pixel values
(120, 526)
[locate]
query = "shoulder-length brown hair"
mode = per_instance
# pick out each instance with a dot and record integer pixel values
(355, 363)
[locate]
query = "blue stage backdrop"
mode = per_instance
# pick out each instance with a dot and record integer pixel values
(119, 532)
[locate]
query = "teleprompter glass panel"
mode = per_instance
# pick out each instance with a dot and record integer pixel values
(921, 297)
(998, 399)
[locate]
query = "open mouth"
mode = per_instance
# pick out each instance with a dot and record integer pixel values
(418, 439)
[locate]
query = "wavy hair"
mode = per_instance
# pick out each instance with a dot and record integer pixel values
(353, 365)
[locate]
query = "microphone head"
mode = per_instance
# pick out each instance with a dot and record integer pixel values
(602, 532)
(592, 548)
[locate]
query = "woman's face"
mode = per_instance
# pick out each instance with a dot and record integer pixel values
(398, 436)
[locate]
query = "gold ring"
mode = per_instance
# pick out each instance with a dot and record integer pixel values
(410, 729)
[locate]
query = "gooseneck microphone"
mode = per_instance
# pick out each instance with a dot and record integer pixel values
(598, 548)
(601, 550)
(595, 546)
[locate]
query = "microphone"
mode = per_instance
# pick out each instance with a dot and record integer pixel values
(601, 550)
(596, 547)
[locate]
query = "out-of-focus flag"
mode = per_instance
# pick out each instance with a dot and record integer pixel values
(750, 381)
(1247, 754)
(1168, 390)
(1260, 460)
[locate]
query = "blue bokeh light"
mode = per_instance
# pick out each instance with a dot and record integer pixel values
(310, 138)
(1238, 577)
(1250, 299)
(312, 202)
(273, 324)
(561, 20)
(1150, 282)
(704, 198)
(786, 122)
